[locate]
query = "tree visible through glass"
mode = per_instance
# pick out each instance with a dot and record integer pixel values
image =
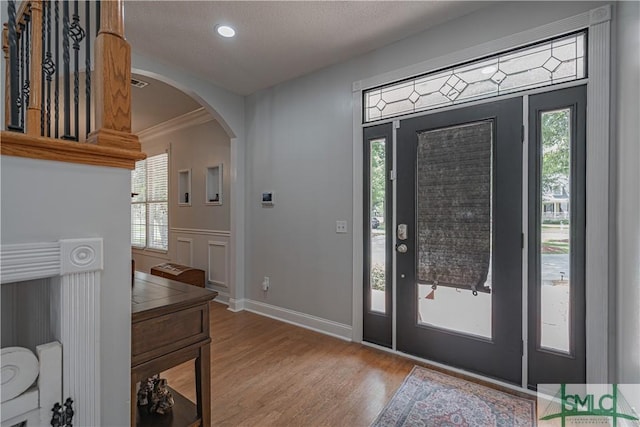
(378, 238)
(555, 230)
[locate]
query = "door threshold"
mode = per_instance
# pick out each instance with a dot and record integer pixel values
(461, 373)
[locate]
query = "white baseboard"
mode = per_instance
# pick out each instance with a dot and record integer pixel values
(223, 297)
(236, 305)
(317, 324)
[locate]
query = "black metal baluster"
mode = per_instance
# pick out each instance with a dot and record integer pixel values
(56, 97)
(87, 81)
(48, 64)
(97, 17)
(77, 34)
(26, 89)
(20, 100)
(42, 70)
(13, 66)
(66, 73)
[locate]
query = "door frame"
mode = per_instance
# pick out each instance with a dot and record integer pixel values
(598, 231)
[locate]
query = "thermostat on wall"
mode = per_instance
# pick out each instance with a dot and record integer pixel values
(267, 199)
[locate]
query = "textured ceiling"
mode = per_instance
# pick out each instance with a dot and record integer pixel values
(275, 41)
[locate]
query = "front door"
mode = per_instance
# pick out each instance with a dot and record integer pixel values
(459, 238)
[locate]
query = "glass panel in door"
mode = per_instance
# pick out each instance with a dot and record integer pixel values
(454, 169)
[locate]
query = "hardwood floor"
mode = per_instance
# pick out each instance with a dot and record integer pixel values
(269, 373)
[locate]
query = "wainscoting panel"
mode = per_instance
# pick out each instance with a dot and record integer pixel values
(184, 251)
(209, 250)
(218, 262)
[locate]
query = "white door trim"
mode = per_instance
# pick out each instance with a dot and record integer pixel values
(598, 182)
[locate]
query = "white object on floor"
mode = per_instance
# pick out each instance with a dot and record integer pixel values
(34, 406)
(19, 371)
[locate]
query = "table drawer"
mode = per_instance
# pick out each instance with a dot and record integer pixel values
(166, 333)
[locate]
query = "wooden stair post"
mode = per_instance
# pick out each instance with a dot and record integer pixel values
(35, 73)
(113, 82)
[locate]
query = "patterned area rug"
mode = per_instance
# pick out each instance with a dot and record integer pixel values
(431, 399)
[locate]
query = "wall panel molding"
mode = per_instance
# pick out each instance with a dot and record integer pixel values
(211, 268)
(184, 256)
(200, 231)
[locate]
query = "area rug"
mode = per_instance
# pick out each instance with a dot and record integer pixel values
(432, 399)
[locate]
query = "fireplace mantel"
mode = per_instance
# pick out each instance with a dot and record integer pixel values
(74, 267)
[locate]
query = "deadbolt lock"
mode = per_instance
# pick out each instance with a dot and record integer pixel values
(402, 231)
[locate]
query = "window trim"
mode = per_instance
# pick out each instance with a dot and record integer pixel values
(599, 23)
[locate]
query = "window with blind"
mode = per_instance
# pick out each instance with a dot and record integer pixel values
(149, 203)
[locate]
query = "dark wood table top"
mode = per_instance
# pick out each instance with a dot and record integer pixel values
(152, 296)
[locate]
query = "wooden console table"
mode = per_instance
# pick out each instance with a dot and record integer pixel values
(170, 326)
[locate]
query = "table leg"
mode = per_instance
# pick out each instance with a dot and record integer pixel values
(203, 385)
(134, 401)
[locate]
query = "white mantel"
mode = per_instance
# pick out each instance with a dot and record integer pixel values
(74, 268)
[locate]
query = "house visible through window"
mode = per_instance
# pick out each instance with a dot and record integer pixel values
(149, 203)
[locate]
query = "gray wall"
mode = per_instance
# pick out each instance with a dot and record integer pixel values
(627, 125)
(299, 145)
(63, 200)
(195, 148)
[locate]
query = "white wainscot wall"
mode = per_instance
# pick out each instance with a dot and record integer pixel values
(208, 250)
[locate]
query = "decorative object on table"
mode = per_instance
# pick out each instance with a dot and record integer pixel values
(155, 395)
(63, 414)
(180, 273)
(430, 398)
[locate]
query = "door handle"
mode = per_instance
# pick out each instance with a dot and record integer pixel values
(402, 248)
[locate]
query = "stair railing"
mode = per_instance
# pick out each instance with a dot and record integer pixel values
(49, 105)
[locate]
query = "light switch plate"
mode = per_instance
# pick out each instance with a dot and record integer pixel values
(341, 226)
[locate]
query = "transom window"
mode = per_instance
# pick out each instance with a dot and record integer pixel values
(149, 203)
(556, 61)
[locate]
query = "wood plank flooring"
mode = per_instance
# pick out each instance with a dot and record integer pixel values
(269, 373)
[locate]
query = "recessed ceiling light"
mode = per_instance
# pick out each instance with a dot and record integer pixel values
(489, 70)
(225, 31)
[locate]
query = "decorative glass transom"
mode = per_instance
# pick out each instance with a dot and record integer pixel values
(547, 63)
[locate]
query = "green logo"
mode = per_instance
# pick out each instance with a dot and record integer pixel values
(608, 405)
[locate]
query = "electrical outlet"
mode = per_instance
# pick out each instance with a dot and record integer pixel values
(341, 226)
(265, 283)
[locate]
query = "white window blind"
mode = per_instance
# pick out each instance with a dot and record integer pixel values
(150, 207)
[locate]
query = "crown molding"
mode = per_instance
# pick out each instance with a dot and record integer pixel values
(191, 118)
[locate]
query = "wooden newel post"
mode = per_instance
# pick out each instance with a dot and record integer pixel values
(35, 72)
(113, 81)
